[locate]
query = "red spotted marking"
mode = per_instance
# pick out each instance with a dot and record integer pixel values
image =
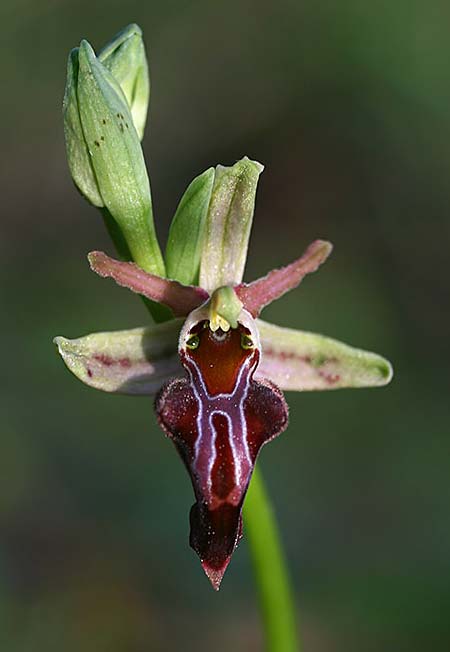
(107, 361)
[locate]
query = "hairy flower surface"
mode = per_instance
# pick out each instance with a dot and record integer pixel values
(215, 369)
(218, 378)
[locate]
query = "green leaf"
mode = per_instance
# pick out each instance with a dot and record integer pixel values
(187, 231)
(117, 158)
(136, 361)
(124, 56)
(228, 224)
(300, 361)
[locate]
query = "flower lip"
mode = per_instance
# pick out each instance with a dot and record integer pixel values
(218, 356)
(218, 418)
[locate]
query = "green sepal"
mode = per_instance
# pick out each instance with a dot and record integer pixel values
(78, 156)
(300, 361)
(136, 361)
(187, 231)
(124, 56)
(117, 158)
(228, 224)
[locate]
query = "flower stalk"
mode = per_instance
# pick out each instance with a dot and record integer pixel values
(272, 581)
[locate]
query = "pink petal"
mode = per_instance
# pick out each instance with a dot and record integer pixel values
(263, 291)
(181, 299)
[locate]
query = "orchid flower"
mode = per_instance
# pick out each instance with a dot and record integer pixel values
(216, 371)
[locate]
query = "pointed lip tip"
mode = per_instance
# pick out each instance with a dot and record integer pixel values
(215, 575)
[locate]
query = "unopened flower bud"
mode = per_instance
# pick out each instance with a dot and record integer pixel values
(105, 155)
(125, 58)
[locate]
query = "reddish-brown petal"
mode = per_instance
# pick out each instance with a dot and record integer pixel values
(218, 424)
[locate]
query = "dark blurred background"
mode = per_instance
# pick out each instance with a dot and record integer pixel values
(347, 104)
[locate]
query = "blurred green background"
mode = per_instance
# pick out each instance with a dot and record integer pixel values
(347, 104)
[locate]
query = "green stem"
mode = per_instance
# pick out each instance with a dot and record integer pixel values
(158, 312)
(269, 566)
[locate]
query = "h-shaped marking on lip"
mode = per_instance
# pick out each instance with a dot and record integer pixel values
(231, 406)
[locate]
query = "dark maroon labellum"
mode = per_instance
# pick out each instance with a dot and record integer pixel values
(218, 419)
